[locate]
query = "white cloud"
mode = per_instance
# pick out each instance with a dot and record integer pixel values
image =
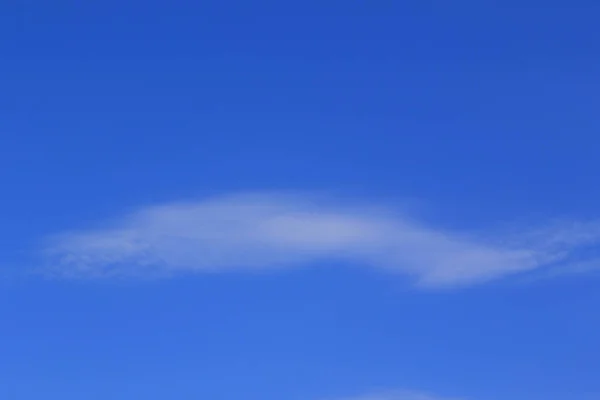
(400, 395)
(263, 231)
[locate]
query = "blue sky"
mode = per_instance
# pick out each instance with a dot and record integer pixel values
(316, 200)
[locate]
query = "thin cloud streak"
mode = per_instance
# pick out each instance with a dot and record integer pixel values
(400, 395)
(268, 231)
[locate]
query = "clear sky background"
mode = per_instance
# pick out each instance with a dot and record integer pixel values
(316, 200)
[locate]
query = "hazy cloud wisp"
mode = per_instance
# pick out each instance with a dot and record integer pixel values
(262, 231)
(399, 395)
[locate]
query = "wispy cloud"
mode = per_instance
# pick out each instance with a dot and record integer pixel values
(265, 231)
(399, 395)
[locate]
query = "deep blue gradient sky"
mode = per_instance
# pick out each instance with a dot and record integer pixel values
(476, 116)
